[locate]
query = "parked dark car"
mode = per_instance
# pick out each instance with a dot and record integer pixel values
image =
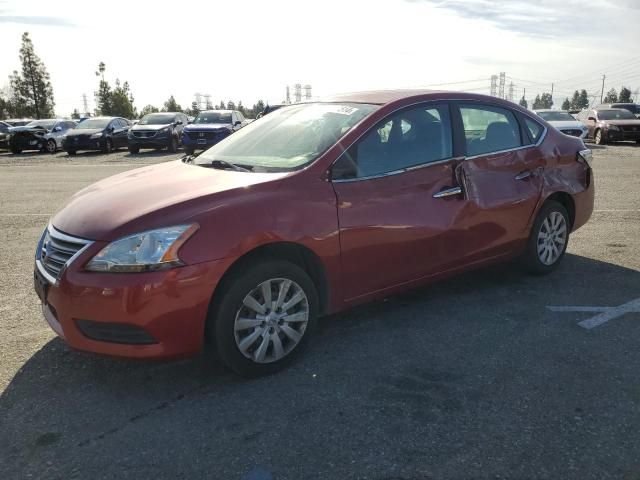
(632, 107)
(42, 135)
(4, 135)
(309, 211)
(98, 133)
(611, 125)
(209, 127)
(158, 131)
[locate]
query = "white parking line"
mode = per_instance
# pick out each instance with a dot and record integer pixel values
(25, 214)
(604, 313)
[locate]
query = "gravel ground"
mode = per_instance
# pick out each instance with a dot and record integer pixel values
(470, 378)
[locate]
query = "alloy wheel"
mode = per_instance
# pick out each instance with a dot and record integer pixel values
(552, 238)
(272, 320)
(51, 146)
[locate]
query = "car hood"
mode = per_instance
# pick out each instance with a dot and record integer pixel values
(206, 126)
(635, 123)
(28, 129)
(83, 131)
(152, 197)
(567, 124)
(137, 126)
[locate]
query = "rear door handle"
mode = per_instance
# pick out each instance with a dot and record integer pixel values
(448, 192)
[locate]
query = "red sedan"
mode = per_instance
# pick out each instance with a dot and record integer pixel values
(310, 210)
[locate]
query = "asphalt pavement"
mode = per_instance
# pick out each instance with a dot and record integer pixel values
(490, 375)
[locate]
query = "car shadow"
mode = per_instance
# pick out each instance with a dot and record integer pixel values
(65, 399)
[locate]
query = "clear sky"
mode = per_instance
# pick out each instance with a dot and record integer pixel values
(246, 50)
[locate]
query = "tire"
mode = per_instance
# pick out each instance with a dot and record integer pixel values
(108, 146)
(173, 145)
(71, 152)
(638, 141)
(50, 146)
(134, 149)
(189, 151)
(598, 137)
(16, 150)
(282, 345)
(543, 255)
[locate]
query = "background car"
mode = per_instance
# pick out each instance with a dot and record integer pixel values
(209, 127)
(43, 135)
(158, 131)
(632, 107)
(18, 122)
(98, 133)
(4, 135)
(611, 125)
(564, 122)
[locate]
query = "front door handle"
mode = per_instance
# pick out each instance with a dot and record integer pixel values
(448, 192)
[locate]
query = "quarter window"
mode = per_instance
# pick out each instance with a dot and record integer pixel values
(534, 128)
(489, 129)
(412, 137)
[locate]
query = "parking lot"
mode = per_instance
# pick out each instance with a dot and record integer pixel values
(493, 374)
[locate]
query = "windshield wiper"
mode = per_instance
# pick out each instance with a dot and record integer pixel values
(222, 164)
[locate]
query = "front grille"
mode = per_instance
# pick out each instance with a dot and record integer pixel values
(219, 135)
(144, 133)
(573, 132)
(115, 332)
(56, 249)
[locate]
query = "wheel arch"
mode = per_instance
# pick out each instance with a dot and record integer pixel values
(296, 253)
(566, 200)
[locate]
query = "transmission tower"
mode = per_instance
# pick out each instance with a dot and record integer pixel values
(199, 100)
(501, 87)
(207, 101)
(510, 96)
(288, 97)
(297, 92)
(494, 85)
(307, 92)
(85, 104)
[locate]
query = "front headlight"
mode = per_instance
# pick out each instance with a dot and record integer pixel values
(96, 135)
(142, 252)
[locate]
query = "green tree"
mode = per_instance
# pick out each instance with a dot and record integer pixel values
(195, 110)
(537, 103)
(220, 106)
(547, 100)
(523, 102)
(257, 108)
(171, 105)
(575, 101)
(611, 96)
(584, 100)
(625, 95)
(566, 105)
(147, 110)
(104, 100)
(122, 101)
(231, 105)
(32, 90)
(76, 114)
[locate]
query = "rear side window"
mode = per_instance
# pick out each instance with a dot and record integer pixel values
(409, 138)
(489, 129)
(534, 129)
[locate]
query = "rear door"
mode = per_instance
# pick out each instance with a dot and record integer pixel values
(501, 175)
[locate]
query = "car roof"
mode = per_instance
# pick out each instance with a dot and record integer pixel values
(543, 110)
(218, 111)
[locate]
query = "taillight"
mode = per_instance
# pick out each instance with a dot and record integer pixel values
(586, 157)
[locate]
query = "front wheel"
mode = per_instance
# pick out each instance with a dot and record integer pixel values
(264, 317)
(134, 149)
(51, 146)
(189, 151)
(173, 145)
(108, 146)
(16, 150)
(71, 152)
(598, 137)
(548, 239)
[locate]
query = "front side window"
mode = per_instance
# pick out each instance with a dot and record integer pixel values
(489, 129)
(287, 139)
(616, 114)
(409, 138)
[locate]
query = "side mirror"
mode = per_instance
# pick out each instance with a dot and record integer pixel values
(189, 122)
(57, 129)
(111, 129)
(238, 122)
(591, 118)
(179, 122)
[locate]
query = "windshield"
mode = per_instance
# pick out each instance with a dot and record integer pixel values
(213, 117)
(157, 119)
(632, 107)
(92, 123)
(556, 116)
(48, 124)
(289, 138)
(618, 114)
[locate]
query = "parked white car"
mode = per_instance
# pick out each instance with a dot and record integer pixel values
(564, 122)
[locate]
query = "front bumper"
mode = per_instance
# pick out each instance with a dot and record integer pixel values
(623, 135)
(149, 142)
(83, 143)
(139, 315)
(193, 140)
(26, 142)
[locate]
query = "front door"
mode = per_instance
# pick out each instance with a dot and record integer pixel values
(398, 201)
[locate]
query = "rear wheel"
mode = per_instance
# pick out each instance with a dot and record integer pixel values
(51, 146)
(548, 239)
(108, 146)
(134, 149)
(71, 152)
(598, 137)
(16, 150)
(264, 317)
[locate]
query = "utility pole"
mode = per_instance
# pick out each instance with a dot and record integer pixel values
(602, 91)
(501, 86)
(494, 85)
(552, 94)
(85, 104)
(510, 97)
